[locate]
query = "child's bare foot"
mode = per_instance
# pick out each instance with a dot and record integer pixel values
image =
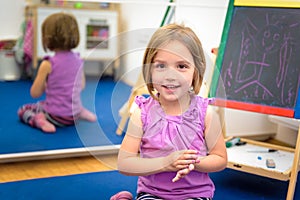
(87, 115)
(42, 123)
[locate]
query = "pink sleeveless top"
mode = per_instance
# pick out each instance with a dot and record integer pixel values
(64, 84)
(165, 134)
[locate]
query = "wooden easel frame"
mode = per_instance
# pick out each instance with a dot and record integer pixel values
(291, 174)
(138, 89)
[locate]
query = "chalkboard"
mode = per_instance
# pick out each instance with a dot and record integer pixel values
(258, 66)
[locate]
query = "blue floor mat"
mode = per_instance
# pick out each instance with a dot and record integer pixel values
(104, 97)
(235, 185)
(230, 184)
(98, 186)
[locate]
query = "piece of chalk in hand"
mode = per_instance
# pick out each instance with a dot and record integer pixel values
(176, 178)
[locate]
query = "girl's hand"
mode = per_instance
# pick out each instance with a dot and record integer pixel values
(182, 173)
(180, 160)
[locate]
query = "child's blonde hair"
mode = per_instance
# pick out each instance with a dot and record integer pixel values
(166, 34)
(60, 32)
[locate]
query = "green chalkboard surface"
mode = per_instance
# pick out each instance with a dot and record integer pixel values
(259, 60)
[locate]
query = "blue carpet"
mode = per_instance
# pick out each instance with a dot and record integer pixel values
(98, 186)
(230, 184)
(234, 185)
(104, 97)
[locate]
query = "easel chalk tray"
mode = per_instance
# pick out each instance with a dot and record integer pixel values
(286, 161)
(254, 156)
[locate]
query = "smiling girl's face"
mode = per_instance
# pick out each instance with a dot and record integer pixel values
(172, 72)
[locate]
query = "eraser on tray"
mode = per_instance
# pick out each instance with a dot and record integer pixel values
(270, 163)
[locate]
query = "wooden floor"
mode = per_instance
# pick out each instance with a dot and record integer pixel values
(56, 167)
(59, 167)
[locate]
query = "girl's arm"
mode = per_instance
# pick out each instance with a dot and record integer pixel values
(216, 160)
(130, 163)
(39, 85)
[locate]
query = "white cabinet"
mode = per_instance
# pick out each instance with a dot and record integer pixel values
(98, 30)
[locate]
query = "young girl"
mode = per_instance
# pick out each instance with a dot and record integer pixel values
(61, 77)
(174, 139)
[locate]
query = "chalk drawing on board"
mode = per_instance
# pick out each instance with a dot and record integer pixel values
(261, 62)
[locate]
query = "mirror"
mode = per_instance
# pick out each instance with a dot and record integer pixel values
(131, 27)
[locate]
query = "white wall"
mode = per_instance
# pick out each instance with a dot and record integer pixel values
(205, 17)
(11, 17)
(138, 22)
